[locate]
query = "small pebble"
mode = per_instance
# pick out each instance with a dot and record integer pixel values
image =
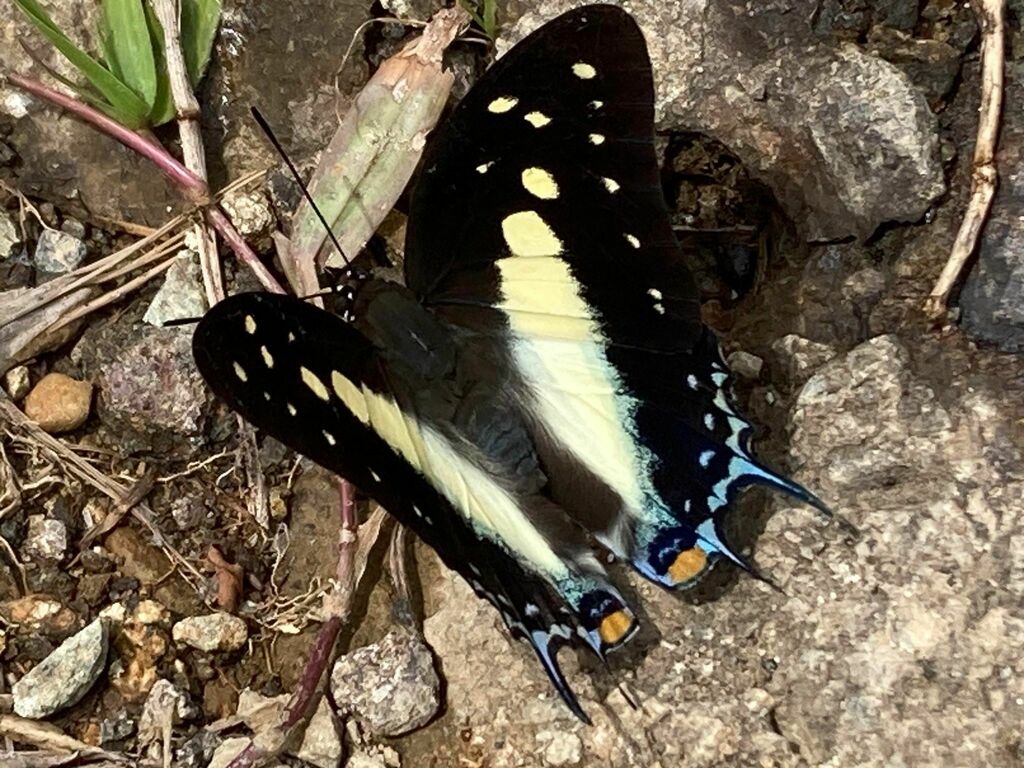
(9, 237)
(390, 685)
(58, 252)
(563, 749)
(16, 382)
(59, 403)
(65, 676)
(212, 632)
(746, 365)
(46, 539)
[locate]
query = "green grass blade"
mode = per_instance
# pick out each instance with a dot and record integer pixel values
(163, 110)
(122, 103)
(199, 21)
(130, 46)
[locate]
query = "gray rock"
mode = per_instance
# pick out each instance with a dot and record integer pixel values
(562, 748)
(73, 227)
(931, 65)
(17, 382)
(65, 676)
(842, 138)
(165, 707)
(992, 300)
(148, 384)
(321, 744)
(47, 539)
(745, 364)
(227, 751)
(181, 295)
(250, 212)
(798, 357)
(58, 252)
(10, 239)
(212, 632)
(390, 685)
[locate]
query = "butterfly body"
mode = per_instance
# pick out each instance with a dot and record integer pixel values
(542, 387)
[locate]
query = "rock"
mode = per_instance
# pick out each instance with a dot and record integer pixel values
(65, 676)
(10, 239)
(59, 403)
(745, 365)
(165, 707)
(139, 559)
(40, 613)
(47, 539)
(562, 748)
(931, 65)
(149, 389)
(302, 106)
(58, 252)
(992, 300)
(212, 632)
(227, 751)
(798, 357)
(841, 137)
(198, 751)
(390, 685)
(250, 212)
(140, 647)
(116, 728)
(321, 744)
(16, 382)
(181, 296)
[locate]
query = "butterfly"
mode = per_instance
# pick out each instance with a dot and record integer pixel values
(541, 392)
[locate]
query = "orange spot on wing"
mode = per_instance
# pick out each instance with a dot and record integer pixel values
(615, 626)
(688, 565)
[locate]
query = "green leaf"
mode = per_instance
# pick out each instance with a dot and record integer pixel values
(163, 110)
(199, 21)
(129, 50)
(118, 100)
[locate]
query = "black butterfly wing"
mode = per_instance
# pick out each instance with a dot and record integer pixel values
(539, 219)
(321, 387)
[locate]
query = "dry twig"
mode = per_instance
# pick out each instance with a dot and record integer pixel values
(984, 176)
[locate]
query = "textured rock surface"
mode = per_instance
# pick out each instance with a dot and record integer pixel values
(843, 138)
(993, 296)
(58, 252)
(181, 295)
(64, 676)
(9, 237)
(391, 685)
(46, 539)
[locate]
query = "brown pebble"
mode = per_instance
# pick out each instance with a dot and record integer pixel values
(59, 403)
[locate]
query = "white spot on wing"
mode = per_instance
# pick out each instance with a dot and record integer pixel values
(659, 308)
(250, 324)
(502, 104)
(596, 104)
(633, 240)
(267, 357)
(484, 167)
(329, 438)
(351, 396)
(654, 293)
(691, 381)
(240, 373)
(610, 184)
(583, 71)
(706, 457)
(540, 183)
(596, 139)
(709, 421)
(537, 119)
(375, 476)
(291, 409)
(527, 234)
(310, 380)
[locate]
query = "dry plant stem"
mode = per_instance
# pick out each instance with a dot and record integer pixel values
(984, 176)
(50, 737)
(399, 570)
(187, 109)
(307, 694)
(192, 187)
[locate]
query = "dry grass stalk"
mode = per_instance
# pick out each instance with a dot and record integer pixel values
(192, 150)
(49, 737)
(984, 177)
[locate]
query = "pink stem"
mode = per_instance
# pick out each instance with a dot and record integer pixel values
(195, 189)
(307, 692)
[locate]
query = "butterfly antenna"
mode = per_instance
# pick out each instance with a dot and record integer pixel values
(265, 127)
